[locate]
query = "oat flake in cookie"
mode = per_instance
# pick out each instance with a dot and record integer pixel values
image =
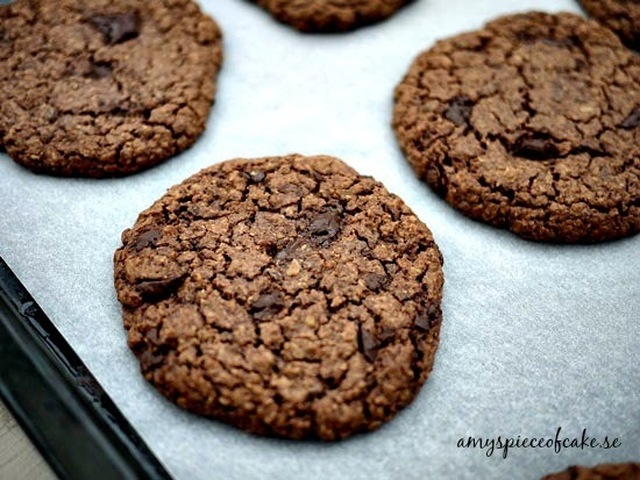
(532, 124)
(621, 16)
(287, 296)
(608, 471)
(330, 15)
(104, 88)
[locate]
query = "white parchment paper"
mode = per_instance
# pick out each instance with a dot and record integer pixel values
(535, 336)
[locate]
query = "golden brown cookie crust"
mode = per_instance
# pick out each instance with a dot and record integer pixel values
(104, 87)
(532, 124)
(287, 296)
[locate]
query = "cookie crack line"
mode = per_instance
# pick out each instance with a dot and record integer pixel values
(288, 296)
(530, 124)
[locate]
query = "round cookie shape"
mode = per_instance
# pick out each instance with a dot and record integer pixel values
(330, 15)
(101, 88)
(605, 471)
(532, 124)
(288, 296)
(621, 16)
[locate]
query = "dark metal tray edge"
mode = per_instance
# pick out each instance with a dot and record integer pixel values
(58, 402)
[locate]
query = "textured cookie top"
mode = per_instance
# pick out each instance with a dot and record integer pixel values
(103, 88)
(288, 296)
(610, 471)
(621, 16)
(532, 124)
(330, 15)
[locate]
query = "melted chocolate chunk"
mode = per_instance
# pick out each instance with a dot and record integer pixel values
(98, 70)
(155, 290)
(459, 110)
(375, 281)
(256, 176)
(152, 336)
(148, 238)
(149, 360)
(267, 305)
(289, 251)
(387, 336)
(367, 344)
(535, 147)
(425, 320)
(117, 28)
(325, 226)
(633, 120)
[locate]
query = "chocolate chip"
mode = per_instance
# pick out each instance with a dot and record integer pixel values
(535, 147)
(148, 238)
(459, 110)
(256, 176)
(117, 28)
(155, 290)
(152, 336)
(324, 226)
(427, 319)
(375, 281)
(367, 344)
(267, 305)
(99, 70)
(633, 120)
(290, 250)
(268, 300)
(387, 335)
(149, 361)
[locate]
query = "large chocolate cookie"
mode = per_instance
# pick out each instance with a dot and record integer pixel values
(621, 16)
(330, 15)
(610, 471)
(287, 296)
(531, 124)
(104, 87)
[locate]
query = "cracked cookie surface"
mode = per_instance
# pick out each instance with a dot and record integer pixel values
(621, 16)
(330, 15)
(532, 124)
(609, 471)
(104, 88)
(287, 296)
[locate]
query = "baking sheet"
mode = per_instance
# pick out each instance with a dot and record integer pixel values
(534, 337)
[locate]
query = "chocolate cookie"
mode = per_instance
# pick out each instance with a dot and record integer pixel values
(610, 471)
(621, 16)
(287, 296)
(330, 15)
(530, 124)
(104, 88)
